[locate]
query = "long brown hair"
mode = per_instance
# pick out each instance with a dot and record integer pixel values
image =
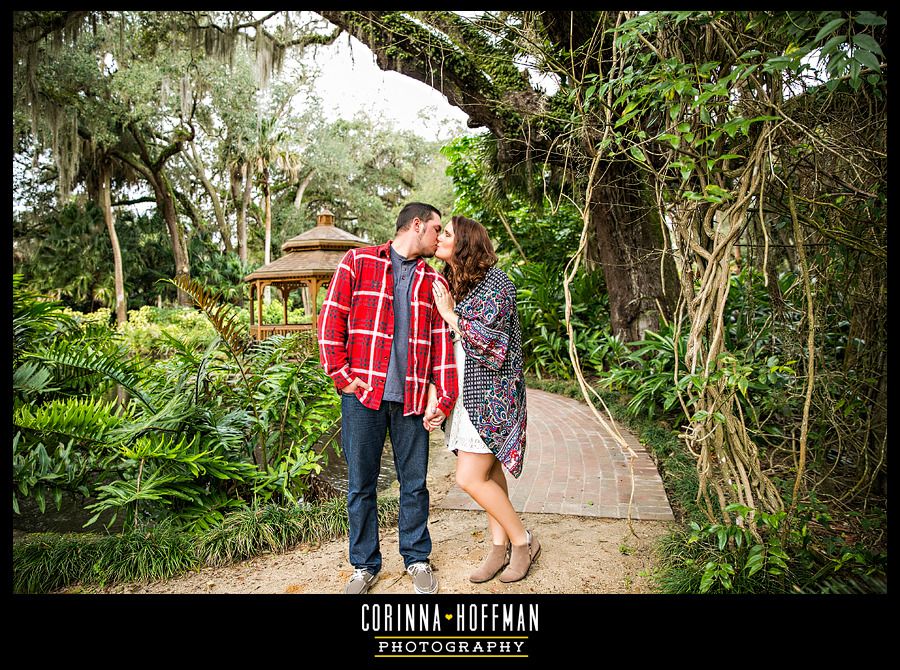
(473, 255)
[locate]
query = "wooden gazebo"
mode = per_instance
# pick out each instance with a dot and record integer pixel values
(308, 262)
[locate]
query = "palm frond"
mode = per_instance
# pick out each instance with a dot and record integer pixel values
(32, 378)
(77, 357)
(172, 416)
(222, 315)
(228, 430)
(82, 419)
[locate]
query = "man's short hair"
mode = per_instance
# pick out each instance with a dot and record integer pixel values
(413, 210)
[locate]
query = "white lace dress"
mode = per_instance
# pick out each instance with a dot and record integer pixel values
(461, 434)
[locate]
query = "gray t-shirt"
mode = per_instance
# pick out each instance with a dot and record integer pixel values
(404, 271)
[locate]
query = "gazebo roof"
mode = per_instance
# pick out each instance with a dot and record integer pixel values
(316, 252)
(323, 236)
(297, 264)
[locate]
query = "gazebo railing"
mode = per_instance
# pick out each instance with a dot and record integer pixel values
(261, 332)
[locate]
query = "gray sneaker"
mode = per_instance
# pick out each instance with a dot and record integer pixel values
(360, 581)
(423, 577)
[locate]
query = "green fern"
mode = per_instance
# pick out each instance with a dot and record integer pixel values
(35, 319)
(223, 316)
(156, 487)
(86, 420)
(32, 378)
(74, 358)
(209, 513)
(228, 430)
(175, 472)
(190, 454)
(175, 410)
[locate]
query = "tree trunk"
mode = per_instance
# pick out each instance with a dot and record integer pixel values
(242, 220)
(118, 270)
(267, 204)
(166, 202)
(298, 199)
(627, 241)
(236, 197)
(200, 170)
(105, 198)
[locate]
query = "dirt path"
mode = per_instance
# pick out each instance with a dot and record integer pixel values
(580, 555)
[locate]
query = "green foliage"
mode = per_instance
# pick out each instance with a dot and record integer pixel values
(766, 383)
(222, 272)
(40, 472)
(187, 445)
(647, 375)
(174, 474)
(86, 420)
(542, 307)
(152, 332)
(67, 252)
(78, 362)
(788, 556)
(846, 45)
(143, 555)
(547, 232)
(156, 333)
(48, 562)
(273, 313)
(683, 117)
(35, 320)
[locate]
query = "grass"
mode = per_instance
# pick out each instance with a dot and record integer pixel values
(46, 562)
(253, 531)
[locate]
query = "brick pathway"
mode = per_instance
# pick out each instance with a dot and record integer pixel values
(572, 466)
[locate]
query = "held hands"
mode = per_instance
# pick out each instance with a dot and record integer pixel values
(433, 418)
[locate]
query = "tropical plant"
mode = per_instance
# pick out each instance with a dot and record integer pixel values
(45, 562)
(794, 555)
(203, 431)
(545, 340)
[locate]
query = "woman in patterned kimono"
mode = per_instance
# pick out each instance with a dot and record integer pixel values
(486, 429)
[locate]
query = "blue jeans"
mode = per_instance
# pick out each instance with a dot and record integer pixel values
(362, 435)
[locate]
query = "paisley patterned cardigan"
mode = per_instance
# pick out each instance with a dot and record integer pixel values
(493, 379)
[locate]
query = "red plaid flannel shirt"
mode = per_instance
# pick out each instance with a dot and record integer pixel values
(356, 329)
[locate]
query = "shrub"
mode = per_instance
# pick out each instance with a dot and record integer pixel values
(542, 313)
(44, 562)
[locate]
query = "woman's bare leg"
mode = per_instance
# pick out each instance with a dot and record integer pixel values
(498, 535)
(475, 475)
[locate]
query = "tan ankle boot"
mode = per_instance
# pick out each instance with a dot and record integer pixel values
(521, 558)
(493, 563)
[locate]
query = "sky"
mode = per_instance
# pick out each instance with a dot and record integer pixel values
(350, 81)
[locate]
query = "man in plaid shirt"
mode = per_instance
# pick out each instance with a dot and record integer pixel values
(382, 341)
